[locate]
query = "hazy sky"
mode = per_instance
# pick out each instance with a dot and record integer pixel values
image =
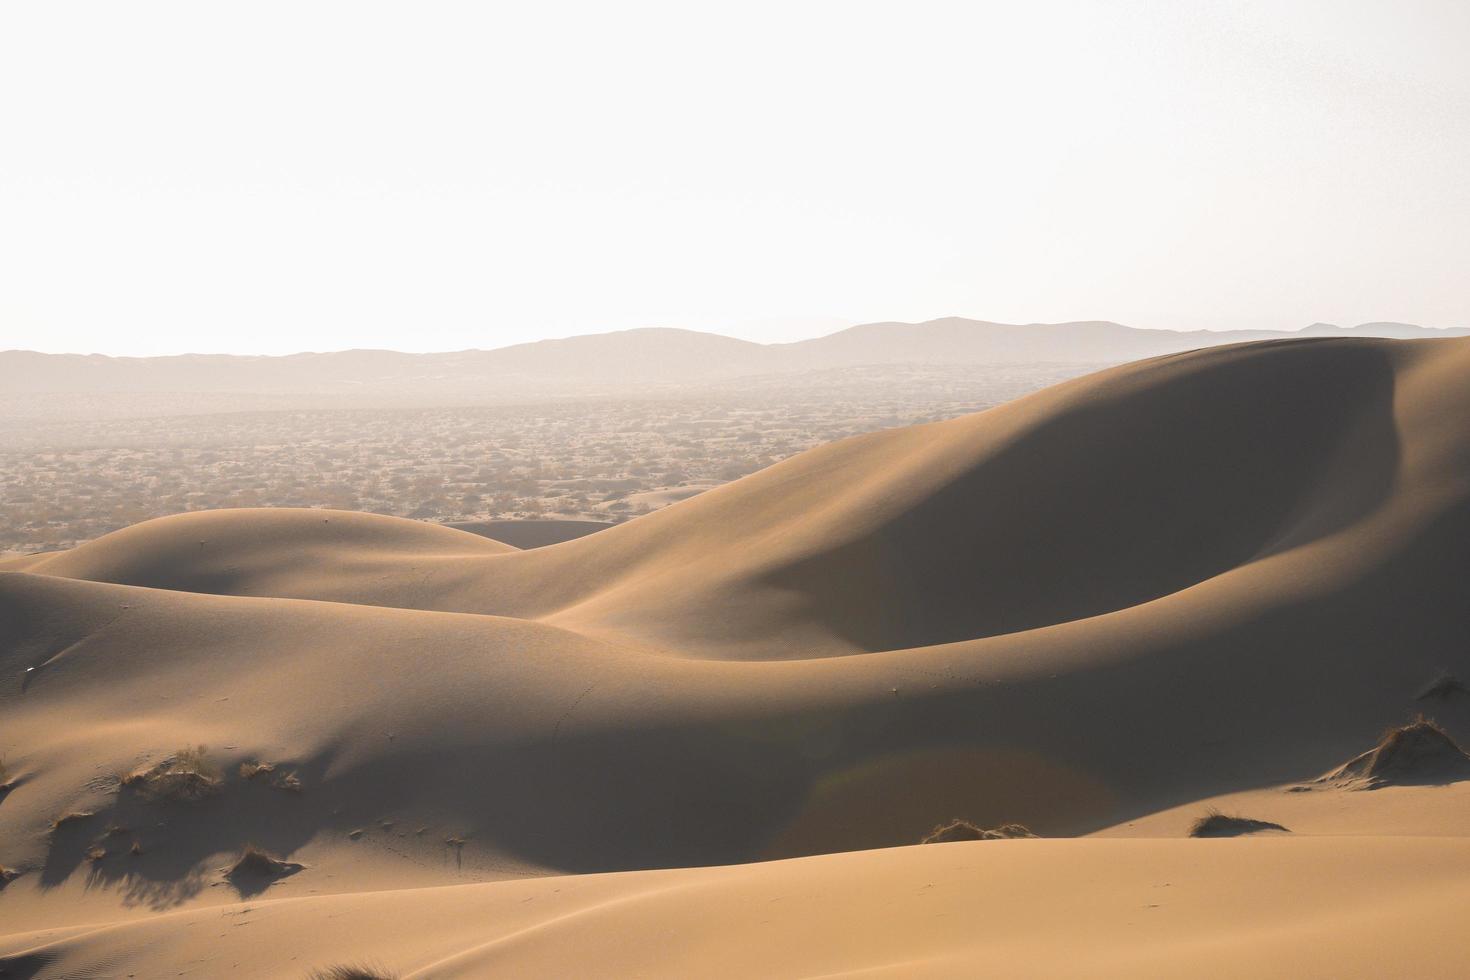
(269, 177)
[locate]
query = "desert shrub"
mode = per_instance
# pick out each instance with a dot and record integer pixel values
(958, 830)
(249, 770)
(73, 816)
(1217, 824)
(1419, 752)
(255, 862)
(352, 972)
(287, 781)
(188, 775)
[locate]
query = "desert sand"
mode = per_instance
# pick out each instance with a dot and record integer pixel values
(707, 741)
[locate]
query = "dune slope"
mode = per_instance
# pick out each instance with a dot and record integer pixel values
(1227, 908)
(1203, 575)
(1095, 496)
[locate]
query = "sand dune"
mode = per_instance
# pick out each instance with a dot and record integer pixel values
(1160, 908)
(1189, 582)
(1091, 498)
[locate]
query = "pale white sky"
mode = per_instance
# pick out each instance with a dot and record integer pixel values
(273, 177)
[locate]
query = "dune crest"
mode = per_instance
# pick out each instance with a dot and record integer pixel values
(1177, 580)
(1095, 497)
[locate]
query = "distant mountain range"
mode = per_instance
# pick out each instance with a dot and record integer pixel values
(636, 357)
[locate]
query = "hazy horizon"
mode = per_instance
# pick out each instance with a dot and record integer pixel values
(330, 176)
(719, 333)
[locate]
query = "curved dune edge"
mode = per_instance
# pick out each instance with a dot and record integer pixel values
(1094, 497)
(834, 654)
(1336, 907)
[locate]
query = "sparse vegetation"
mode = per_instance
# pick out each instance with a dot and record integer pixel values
(289, 781)
(1217, 824)
(257, 863)
(249, 770)
(186, 776)
(73, 816)
(352, 972)
(96, 853)
(7, 875)
(78, 475)
(960, 830)
(1419, 752)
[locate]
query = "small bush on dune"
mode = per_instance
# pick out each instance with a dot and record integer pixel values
(1217, 824)
(187, 776)
(1416, 753)
(958, 830)
(249, 770)
(254, 862)
(289, 781)
(352, 972)
(74, 816)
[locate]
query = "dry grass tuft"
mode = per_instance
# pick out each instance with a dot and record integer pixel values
(1417, 753)
(7, 875)
(187, 776)
(958, 830)
(256, 863)
(1217, 824)
(288, 781)
(96, 853)
(249, 770)
(352, 971)
(75, 816)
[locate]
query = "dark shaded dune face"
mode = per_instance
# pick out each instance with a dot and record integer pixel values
(528, 534)
(1167, 474)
